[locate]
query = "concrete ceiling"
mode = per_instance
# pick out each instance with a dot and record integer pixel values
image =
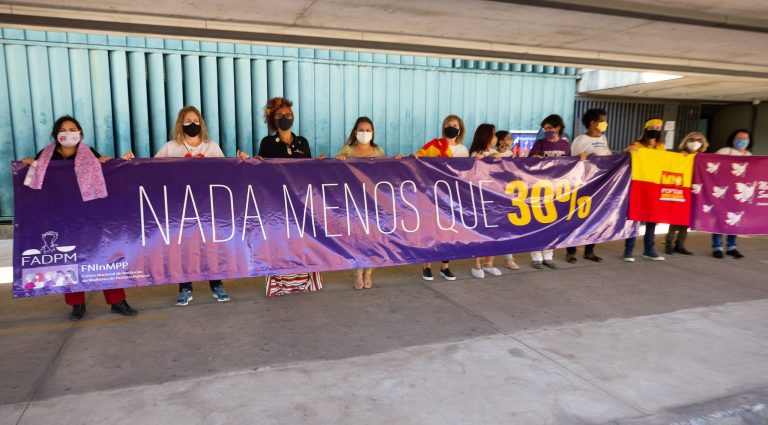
(718, 45)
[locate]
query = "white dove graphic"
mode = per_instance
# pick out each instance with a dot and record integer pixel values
(738, 170)
(696, 188)
(707, 208)
(719, 192)
(734, 218)
(712, 167)
(746, 192)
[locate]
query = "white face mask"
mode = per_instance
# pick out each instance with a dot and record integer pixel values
(364, 137)
(693, 146)
(68, 138)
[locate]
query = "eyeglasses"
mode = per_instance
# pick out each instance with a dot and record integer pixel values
(281, 116)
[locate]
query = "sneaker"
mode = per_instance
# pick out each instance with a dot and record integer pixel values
(653, 256)
(593, 257)
(681, 250)
(447, 274)
(426, 274)
(629, 259)
(477, 273)
(510, 264)
(550, 263)
(571, 258)
(78, 311)
(185, 296)
(123, 308)
(220, 294)
(537, 265)
(734, 253)
(717, 253)
(668, 249)
(493, 271)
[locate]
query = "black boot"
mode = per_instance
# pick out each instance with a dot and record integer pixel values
(123, 308)
(668, 248)
(78, 311)
(680, 249)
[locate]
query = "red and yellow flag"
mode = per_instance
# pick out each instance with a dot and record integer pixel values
(661, 187)
(435, 148)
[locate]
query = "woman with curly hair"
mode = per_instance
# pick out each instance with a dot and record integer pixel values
(284, 143)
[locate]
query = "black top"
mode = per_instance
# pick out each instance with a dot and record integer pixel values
(272, 147)
(57, 156)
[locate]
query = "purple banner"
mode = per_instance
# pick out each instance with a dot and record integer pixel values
(730, 194)
(172, 220)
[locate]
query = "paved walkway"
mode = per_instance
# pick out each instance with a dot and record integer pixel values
(681, 341)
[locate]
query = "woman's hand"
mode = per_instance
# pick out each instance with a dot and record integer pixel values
(631, 148)
(321, 156)
(128, 156)
(495, 155)
(104, 158)
(582, 156)
(415, 155)
(242, 155)
(341, 157)
(399, 156)
(27, 161)
(685, 153)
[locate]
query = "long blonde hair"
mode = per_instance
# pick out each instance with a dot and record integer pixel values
(178, 129)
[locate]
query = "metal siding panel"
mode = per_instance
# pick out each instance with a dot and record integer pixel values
(338, 131)
(191, 81)
(433, 121)
(82, 99)
(350, 94)
(492, 99)
(466, 109)
(61, 93)
(322, 109)
(21, 100)
(515, 103)
(393, 110)
(365, 91)
(7, 150)
(139, 107)
(504, 102)
(481, 106)
(40, 90)
(275, 78)
(419, 111)
(379, 114)
(291, 86)
(243, 104)
(307, 105)
(174, 94)
(405, 138)
(444, 105)
(101, 89)
(259, 88)
(209, 73)
(227, 127)
(118, 66)
(157, 122)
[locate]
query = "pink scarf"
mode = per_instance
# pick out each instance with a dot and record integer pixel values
(90, 177)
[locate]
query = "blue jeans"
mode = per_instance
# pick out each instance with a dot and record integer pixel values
(648, 242)
(717, 242)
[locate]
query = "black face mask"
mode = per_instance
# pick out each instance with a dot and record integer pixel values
(652, 134)
(451, 132)
(284, 123)
(191, 129)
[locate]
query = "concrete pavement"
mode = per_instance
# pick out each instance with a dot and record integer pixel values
(679, 341)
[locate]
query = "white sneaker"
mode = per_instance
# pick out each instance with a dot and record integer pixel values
(477, 273)
(652, 258)
(629, 259)
(493, 271)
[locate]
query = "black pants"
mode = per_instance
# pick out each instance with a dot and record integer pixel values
(588, 249)
(188, 285)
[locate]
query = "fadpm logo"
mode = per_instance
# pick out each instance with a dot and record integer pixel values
(50, 253)
(672, 187)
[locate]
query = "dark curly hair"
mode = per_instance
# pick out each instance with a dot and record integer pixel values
(271, 108)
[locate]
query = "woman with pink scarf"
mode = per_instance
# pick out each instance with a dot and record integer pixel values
(68, 144)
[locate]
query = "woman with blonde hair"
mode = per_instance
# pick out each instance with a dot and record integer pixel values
(450, 145)
(190, 140)
(693, 143)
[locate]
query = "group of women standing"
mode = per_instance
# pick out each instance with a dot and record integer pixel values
(190, 139)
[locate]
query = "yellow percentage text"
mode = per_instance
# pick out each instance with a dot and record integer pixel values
(540, 205)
